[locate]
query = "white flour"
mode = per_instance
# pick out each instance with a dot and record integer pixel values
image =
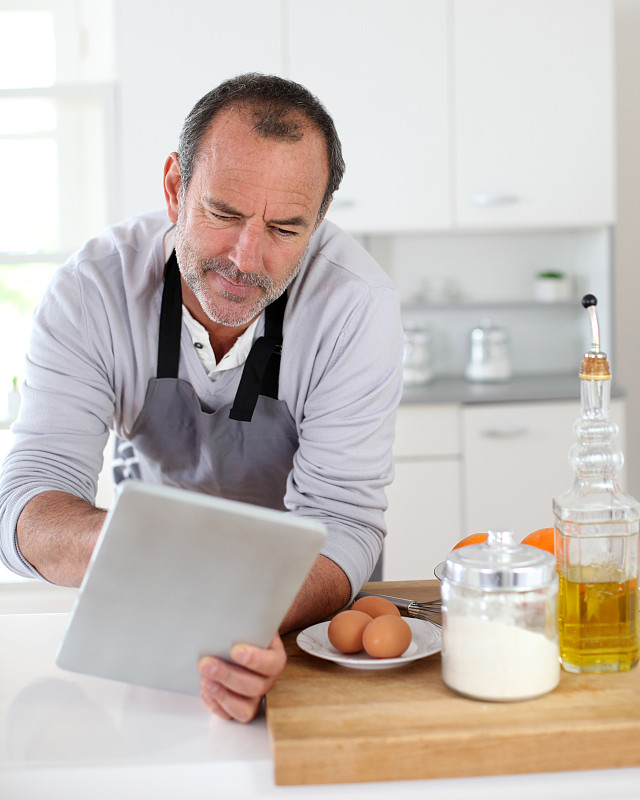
(494, 661)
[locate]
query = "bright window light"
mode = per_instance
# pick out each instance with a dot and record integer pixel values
(20, 289)
(56, 151)
(29, 206)
(21, 116)
(27, 49)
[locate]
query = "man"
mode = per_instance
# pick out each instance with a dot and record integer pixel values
(238, 344)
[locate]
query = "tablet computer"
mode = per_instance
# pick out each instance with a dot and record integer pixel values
(176, 575)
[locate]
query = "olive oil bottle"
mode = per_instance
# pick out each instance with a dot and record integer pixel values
(597, 534)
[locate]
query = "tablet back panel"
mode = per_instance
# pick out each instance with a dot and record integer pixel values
(176, 575)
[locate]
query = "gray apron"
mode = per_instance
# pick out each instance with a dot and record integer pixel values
(242, 450)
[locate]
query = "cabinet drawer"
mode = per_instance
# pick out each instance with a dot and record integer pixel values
(427, 430)
(516, 461)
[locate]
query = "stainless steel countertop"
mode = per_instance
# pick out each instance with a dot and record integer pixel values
(520, 389)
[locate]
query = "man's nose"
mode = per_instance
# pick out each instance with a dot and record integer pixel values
(246, 252)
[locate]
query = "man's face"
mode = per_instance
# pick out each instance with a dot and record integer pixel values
(244, 225)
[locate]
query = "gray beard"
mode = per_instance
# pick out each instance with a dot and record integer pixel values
(194, 272)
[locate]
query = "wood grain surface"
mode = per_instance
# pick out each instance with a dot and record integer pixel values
(331, 724)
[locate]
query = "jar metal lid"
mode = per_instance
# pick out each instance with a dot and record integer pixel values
(500, 564)
(486, 332)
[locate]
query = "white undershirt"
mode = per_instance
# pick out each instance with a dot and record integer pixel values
(200, 337)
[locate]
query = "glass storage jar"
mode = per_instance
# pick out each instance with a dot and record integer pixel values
(499, 615)
(417, 368)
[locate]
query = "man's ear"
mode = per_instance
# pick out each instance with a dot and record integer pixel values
(172, 181)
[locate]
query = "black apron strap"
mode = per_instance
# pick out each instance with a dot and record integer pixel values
(170, 322)
(262, 369)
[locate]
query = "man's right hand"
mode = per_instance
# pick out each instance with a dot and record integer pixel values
(235, 691)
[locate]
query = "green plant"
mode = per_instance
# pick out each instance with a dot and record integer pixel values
(551, 274)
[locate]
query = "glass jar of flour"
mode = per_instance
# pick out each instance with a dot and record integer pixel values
(499, 620)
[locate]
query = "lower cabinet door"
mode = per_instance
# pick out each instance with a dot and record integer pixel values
(423, 518)
(516, 460)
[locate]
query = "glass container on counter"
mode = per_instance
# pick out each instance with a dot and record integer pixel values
(597, 534)
(417, 360)
(489, 354)
(499, 620)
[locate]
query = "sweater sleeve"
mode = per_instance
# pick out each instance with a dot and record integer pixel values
(344, 460)
(61, 432)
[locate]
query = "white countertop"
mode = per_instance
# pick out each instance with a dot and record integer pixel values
(65, 736)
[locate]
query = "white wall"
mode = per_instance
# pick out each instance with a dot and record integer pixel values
(627, 239)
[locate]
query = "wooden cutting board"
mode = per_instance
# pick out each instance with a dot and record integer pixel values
(331, 724)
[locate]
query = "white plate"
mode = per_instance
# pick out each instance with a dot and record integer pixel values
(439, 571)
(425, 641)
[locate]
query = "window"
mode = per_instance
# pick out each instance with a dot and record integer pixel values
(57, 150)
(57, 154)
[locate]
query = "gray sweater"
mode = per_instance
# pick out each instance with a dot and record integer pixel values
(94, 347)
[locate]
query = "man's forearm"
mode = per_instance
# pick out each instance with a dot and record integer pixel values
(57, 533)
(325, 590)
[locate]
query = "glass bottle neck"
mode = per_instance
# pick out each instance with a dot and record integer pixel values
(595, 457)
(595, 398)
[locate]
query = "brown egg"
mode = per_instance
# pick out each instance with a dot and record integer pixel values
(387, 636)
(375, 606)
(345, 630)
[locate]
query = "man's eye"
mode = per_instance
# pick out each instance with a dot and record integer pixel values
(222, 217)
(286, 234)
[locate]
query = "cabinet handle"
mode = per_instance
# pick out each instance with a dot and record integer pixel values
(494, 199)
(504, 433)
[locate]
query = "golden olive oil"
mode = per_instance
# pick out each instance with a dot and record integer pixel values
(598, 625)
(597, 539)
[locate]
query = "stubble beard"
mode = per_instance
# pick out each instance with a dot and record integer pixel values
(225, 307)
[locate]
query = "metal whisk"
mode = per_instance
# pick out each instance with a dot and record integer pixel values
(429, 611)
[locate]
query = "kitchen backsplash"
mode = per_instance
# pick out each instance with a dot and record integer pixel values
(450, 283)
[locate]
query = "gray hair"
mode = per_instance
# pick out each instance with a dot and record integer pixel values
(273, 102)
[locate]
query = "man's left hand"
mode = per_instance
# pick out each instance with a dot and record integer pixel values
(235, 691)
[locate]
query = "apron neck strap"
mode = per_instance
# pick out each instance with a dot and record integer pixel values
(262, 370)
(170, 322)
(273, 318)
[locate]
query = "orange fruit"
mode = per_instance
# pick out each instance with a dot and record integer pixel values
(473, 538)
(543, 538)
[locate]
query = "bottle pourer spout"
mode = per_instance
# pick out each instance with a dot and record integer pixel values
(594, 365)
(590, 302)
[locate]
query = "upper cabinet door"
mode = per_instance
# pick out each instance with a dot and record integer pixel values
(381, 70)
(166, 60)
(534, 112)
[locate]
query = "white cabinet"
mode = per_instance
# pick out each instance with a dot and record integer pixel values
(166, 60)
(462, 469)
(534, 112)
(447, 109)
(424, 514)
(464, 113)
(381, 70)
(516, 461)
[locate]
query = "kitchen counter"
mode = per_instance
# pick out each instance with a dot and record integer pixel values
(520, 389)
(65, 736)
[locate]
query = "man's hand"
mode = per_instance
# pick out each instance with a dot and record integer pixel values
(235, 691)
